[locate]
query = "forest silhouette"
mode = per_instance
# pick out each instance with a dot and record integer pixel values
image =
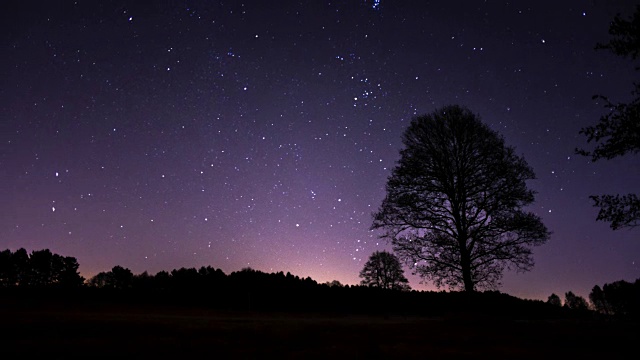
(39, 277)
(52, 311)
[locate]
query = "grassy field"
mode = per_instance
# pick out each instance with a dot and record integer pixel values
(109, 331)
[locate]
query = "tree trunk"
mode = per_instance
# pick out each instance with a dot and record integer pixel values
(465, 263)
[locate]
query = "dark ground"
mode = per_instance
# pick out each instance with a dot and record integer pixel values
(127, 331)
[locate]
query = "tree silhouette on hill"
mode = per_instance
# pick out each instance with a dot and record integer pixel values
(383, 270)
(250, 289)
(454, 205)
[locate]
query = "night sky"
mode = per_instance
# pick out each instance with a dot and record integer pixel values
(261, 134)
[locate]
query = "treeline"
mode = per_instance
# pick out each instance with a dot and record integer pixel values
(249, 289)
(40, 269)
(620, 298)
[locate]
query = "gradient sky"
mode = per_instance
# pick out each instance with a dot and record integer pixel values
(176, 134)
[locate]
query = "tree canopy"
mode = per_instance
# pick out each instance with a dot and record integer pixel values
(618, 131)
(40, 269)
(384, 270)
(554, 299)
(454, 203)
(620, 298)
(575, 302)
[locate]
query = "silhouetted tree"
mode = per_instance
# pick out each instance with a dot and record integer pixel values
(575, 302)
(334, 283)
(117, 278)
(599, 301)
(454, 204)
(101, 280)
(618, 131)
(383, 270)
(122, 277)
(554, 299)
(66, 274)
(620, 298)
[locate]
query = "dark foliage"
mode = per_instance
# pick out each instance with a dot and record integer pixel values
(454, 203)
(575, 302)
(554, 300)
(334, 283)
(626, 36)
(622, 211)
(618, 131)
(253, 290)
(619, 298)
(383, 270)
(117, 278)
(41, 269)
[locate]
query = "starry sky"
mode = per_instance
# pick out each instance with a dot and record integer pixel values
(160, 135)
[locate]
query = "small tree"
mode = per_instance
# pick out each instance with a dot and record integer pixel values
(454, 204)
(383, 270)
(554, 300)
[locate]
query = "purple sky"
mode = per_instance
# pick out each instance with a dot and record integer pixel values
(261, 134)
